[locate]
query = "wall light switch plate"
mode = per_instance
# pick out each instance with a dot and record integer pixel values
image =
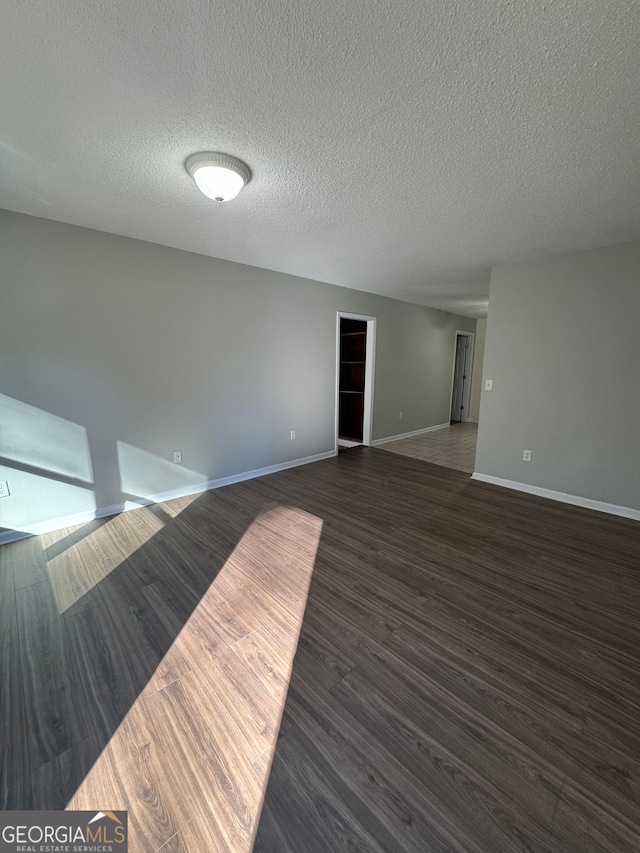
(177, 456)
(4, 489)
(292, 434)
(488, 384)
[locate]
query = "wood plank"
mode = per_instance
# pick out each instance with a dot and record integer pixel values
(53, 698)
(383, 797)
(8, 623)
(582, 823)
(71, 572)
(143, 626)
(126, 777)
(55, 782)
(473, 786)
(263, 657)
(28, 561)
(15, 765)
(200, 833)
(214, 775)
(107, 667)
(323, 813)
(173, 663)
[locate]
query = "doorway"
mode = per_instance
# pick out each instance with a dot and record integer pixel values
(355, 352)
(461, 385)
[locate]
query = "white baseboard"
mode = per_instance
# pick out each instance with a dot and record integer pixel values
(563, 497)
(270, 469)
(48, 526)
(114, 509)
(408, 434)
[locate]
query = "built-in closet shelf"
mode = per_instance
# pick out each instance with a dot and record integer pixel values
(353, 353)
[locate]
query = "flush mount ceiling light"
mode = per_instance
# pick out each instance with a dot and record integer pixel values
(218, 176)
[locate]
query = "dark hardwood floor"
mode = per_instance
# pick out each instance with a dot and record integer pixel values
(370, 653)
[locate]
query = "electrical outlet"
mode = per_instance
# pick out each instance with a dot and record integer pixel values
(292, 434)
(177, 456)
(526, 456)
(488, 384)
(400, 416)
(4, 489)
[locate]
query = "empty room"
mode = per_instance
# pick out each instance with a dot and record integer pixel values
(319, 427)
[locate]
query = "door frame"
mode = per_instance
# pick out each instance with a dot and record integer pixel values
(466, 395)
(369, 375)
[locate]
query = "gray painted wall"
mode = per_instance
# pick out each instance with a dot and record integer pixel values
(562, 350)
(115, 352)
(478, 361)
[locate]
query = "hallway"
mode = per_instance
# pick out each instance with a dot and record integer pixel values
(453, 446)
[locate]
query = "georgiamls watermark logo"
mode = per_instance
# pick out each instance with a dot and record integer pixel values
(63, 832)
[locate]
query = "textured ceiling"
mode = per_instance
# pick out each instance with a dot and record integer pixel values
(399, 148)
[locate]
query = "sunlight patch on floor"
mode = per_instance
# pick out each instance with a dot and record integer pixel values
(191, 758)
(172, 508)
(85, 560)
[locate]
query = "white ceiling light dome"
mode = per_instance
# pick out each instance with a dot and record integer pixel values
(219, 176)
